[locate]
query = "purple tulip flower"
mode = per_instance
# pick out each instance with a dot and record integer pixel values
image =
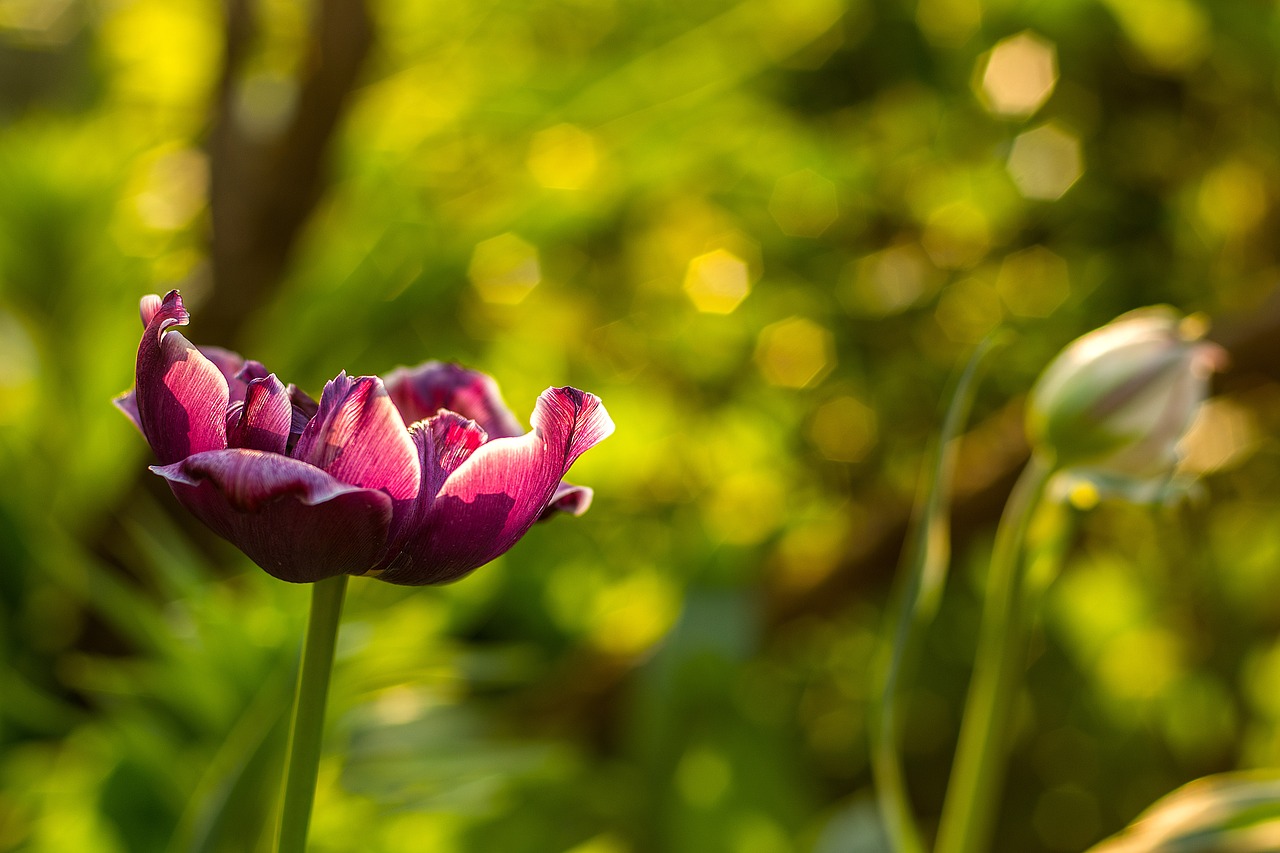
(312, 490)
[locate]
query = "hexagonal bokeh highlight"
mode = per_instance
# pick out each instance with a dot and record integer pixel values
(562, 157)
(1020, 74)
(804, 204)
(717, 282)
(795, 352)
(889, 281)
(504, 269)
(1033, 282)
(844, 429)
(1045, 162)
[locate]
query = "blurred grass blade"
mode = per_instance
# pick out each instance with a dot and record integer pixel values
(921, 576)
(211, 815)
(1227, 813)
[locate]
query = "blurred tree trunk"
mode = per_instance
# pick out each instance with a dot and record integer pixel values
(264, 184)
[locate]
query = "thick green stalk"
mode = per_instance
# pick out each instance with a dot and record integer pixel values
(308, 714)
(973, 792)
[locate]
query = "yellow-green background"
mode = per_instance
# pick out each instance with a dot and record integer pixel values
(764, 233)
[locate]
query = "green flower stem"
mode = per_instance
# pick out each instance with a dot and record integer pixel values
(308, 713)
(978, 773)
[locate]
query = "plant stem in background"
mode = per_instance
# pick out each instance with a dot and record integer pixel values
(923, 572)
(976, 777)
(308, 713)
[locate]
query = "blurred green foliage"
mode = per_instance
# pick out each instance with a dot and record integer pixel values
(765, 232)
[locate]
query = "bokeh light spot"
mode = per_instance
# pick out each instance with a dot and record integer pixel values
(1045, 162)
(21, 367)
(1139, 663)
(717, 282)
(563, 157)
(703, 777)
(264, 104)
(1020, 74)
(1170, 34)
(1033, 282)
(1067, 818)
(174, 189)
(757, 833)
(1232, 201)
(956, 235)
(844, 429)
(948, 23)
(795, 352)
(746, 507)
(968, 310)
(889, 281)
(504, 269)
(41, 22)
(1223, 435)
(804, 204)
(633, 614)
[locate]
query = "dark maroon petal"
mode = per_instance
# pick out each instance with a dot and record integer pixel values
(128, 403)
(181, 396)
(303, 410)
(234, 411)
(358, 436)
(495, 496)
(422, 391)
(252, 370)
(571, 499)
(262, 421)
(229, 364)
(295, 521)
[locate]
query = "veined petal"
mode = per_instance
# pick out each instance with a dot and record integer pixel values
(262, 421)
(456, 438)
(358, 436)
(499, 491)
(180, 395)
(295, 521)
(422, 391)
(443, 443)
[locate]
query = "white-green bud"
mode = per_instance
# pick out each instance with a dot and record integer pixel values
(1119, 399)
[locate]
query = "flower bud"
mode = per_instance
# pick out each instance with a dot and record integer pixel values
(1119, 399)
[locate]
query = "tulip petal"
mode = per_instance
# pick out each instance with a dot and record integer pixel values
(358, 436)
(303, 410)
(570, 499)
(499, 491)
(422, 391)
(295, 521)
(128, 403)
(456, 438)
(238, 370)
(262, 421)
(148, 306)
(180, 395)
